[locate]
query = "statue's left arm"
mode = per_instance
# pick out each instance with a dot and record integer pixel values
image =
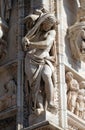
(49, 38)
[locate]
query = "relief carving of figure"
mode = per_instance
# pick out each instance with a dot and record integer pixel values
(72, 91)
(39, 43)
(80, 103)
(9, 97)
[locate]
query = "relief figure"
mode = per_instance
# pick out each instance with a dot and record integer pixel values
(72, 91)
(80, 103)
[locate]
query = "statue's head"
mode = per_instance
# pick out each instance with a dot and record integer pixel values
(69, 76)
(82, 85)
(49, 23)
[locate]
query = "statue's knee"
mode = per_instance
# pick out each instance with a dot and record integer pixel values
(46, 76)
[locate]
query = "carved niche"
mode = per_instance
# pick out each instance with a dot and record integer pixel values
(77, 34)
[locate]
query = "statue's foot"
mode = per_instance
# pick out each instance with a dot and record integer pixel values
(52, 108)
(39, 111)
(51, 105)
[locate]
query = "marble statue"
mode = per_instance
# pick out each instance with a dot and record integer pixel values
(39, 43)
(80, 103)
(72, 91)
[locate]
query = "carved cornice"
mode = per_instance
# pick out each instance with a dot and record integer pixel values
(8, 113)
(45, 125)
(8, 64)
(77, 75)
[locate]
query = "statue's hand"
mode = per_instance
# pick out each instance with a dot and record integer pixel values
(25, 43)
(25, 40)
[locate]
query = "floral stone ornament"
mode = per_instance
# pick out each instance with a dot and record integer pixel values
(77, 39)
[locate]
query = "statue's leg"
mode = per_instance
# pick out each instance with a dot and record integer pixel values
(49, 88)
(30, 70)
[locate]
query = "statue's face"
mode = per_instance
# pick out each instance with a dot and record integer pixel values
(69, 76)
(47, 25)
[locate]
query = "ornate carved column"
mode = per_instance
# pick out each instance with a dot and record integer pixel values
(62, 111)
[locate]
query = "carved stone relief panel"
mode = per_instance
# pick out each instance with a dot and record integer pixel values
(8, 87)
(75, 95)
(72, 91)
(74, 123)
(82, 3)
(40, 61)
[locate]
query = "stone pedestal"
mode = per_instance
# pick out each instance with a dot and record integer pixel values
(43, 117)
(44, 125)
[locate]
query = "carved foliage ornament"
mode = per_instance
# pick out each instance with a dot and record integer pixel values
(77, 40)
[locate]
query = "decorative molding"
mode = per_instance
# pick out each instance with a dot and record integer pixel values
(8, 113)
(77, 75)
(73, 120)
(45, 125)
